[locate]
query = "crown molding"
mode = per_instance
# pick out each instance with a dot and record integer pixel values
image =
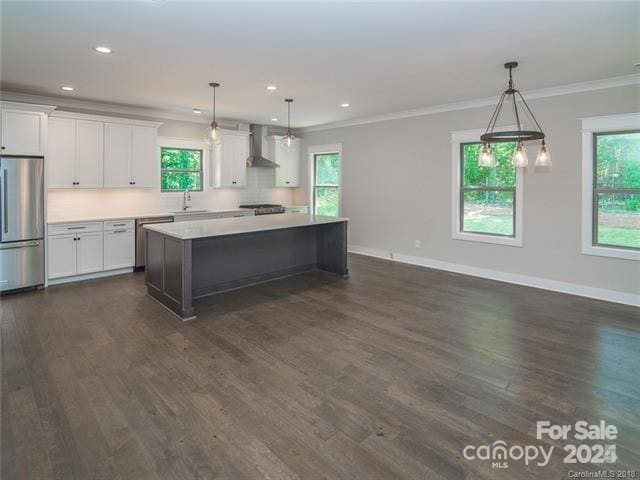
(568, 89)
(32, 107)
(107, 108)
(180, 115)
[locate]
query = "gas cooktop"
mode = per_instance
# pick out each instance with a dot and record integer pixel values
(265, 208)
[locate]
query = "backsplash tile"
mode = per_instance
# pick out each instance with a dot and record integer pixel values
(125, 201)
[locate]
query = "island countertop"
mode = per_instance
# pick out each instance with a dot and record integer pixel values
(232, 226)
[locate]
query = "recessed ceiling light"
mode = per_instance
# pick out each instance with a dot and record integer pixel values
(67, 88)
(272, 88)
(103, 50)
(344, 105)
(274, 119)
(197, 111)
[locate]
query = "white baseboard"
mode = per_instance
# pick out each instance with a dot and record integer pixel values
(89, 276)
(526, 280)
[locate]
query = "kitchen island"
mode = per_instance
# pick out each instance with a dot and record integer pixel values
(190, 260)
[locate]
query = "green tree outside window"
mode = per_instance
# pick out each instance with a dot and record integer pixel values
(326, 191)
(181, 169)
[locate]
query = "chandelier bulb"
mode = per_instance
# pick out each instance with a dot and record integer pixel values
(543, 158)
(519, 158)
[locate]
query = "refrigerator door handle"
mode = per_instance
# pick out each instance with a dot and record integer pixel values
(5, 208)
(9, 246)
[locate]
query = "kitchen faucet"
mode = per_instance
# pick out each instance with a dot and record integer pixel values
(186, 198)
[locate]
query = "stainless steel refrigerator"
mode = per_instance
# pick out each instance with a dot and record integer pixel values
(21, 222)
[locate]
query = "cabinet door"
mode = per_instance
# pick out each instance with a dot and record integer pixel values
(117, 155)
(119, 249)
(61, 153)
(89, 253)
(22, 132)
(233, 161)
(144, 165)
(240, 160)
(89, 154)
(62, 255)
(288, 174)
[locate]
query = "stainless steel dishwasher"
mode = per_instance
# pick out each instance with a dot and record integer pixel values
(140, 246)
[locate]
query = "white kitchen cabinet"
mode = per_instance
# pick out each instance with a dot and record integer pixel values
(75, 249)
(119, 249)
(62, 255)
(130, 156)
(144, 164)
(23, 131)
(230, 158)
(61, 153)
(89, 253)
(75, 153)
(117, 155)
(288, 173)
(89, 154)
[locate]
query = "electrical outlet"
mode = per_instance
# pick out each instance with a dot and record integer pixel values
(417, 243)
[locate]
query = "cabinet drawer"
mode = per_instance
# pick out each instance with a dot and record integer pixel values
(62, 228)
(238, 214)
(119, 224)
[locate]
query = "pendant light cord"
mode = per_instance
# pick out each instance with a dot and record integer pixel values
(214, 106)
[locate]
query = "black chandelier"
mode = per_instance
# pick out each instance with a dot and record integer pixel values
(513, 95)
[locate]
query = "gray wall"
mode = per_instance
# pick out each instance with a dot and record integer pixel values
(396, 188)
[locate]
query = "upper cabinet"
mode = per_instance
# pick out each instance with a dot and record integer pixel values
(230, 159)
(24, 128)
(288, 173)
(130, 156)
(88, 151)
(75, 154)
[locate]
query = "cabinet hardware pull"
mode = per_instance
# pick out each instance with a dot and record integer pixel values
(119, 231)
(119, 224)
(76, 228)
(5, 209)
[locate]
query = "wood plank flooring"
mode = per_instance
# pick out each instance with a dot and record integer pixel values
(385, 375)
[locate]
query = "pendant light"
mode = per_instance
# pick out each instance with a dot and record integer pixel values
(486, 157)
(212, 134)
(289, 140)
(519, 159)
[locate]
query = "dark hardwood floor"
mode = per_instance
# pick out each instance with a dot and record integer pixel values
(386, 375)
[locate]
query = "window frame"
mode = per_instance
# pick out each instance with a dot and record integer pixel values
(458, 140)
(323, 150)
(591, 128)
(182, 144)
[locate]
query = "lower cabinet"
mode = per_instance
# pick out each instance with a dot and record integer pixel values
(89, 253)
(119, 249)
(75, 254)
(75, 251)
(62, 255)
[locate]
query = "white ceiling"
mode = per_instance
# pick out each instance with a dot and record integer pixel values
(379, 57)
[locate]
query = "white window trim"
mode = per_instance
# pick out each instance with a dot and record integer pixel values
(319, 149)
(466, 136)
(591, 125)
(169, 142)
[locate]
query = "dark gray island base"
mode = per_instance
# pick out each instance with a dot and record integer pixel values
(179, 270)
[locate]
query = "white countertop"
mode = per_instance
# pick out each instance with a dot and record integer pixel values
(73, 218)
(233, 226)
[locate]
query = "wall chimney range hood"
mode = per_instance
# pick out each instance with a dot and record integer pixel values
(255, 158)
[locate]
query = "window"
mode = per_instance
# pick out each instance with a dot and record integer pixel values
(612, 227)
(487, 201)
(181, 169)
(325, 191)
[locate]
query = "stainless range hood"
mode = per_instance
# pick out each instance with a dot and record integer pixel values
(255, 158)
